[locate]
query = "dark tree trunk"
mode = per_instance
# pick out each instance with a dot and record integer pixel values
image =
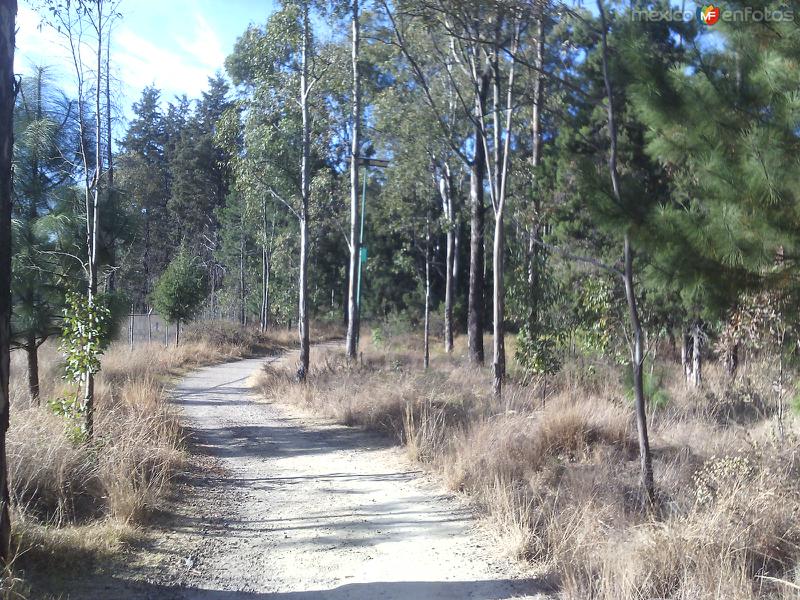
(475, 301)
(8, 86)
(732, 361)
(177, 333)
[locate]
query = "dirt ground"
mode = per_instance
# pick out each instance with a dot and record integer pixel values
(277, 504)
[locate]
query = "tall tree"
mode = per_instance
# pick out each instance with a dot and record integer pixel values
(81, 23)
(355, 239)
(8, 89)
(43, 167)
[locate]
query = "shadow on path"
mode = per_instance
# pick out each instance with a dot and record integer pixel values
(499, 589)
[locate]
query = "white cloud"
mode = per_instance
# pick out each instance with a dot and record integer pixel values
(176, 65)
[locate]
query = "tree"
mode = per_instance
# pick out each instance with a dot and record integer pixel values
(8, 89)
(355, 239)
(77, 21)
(43, 168)
(180, 290)
(278, 68)
(734, 180)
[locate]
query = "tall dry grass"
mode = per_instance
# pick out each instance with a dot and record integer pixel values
(86, 499)
(556, 469)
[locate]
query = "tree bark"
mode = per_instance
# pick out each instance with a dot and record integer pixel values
(732, 361)
(32, 353)
(645, 459)
(448, 208)
(536, 156)
(498, 312)
(355, 235)
(697, 359)
(686, 345)
(242, 307)
(302, 369)
(177, 333)
(637, 351)
(475, 300)
(426, 343)
(8, 89)
(112, 249)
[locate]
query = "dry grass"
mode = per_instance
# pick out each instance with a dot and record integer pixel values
(85, 500)
(556, 469)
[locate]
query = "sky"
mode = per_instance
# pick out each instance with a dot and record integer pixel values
(172, 44)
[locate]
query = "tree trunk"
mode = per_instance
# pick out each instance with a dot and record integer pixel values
(686, 350)
(732, 361)
(93, 226)
(475, 299)
(426, 344)
(446, 193)
(8, 89)
(177, 333)
(32, 353)
(112, 249)
(645, 459)
(697, 348)
(536, 155)
(637, 351)
(302, 369)
(265, 268)
(355, 235)
(242, 307)
(498, 313)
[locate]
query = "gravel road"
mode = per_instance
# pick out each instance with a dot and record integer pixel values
(285, 506)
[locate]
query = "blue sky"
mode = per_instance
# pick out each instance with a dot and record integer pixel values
(174, 44)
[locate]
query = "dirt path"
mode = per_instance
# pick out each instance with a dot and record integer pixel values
(284, 506)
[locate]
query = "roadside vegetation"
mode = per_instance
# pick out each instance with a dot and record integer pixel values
(78, 502)
(556, 470)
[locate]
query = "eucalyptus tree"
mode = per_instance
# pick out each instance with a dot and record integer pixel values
(355, 147)
(278, 69)
(8, 89)
(439, 58)
(477, 46)
(84, 24)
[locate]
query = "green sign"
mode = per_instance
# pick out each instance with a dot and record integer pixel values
(363, 254)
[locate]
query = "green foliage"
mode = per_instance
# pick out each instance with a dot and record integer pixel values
(653, 379)
(181, 289)
(538, 352)
(86, 329)
(596, 315)
(84, 335)
(71, 408)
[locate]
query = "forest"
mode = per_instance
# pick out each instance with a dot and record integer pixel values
(553, 242)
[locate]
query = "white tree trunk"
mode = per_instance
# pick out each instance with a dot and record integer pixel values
(355, 235)
(302, 316)
(448, 208)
